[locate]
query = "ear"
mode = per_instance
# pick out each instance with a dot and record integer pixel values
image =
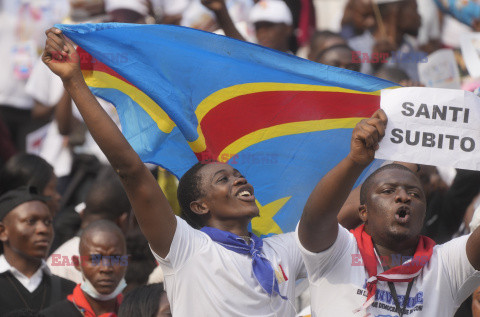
(76, 262)
(199, 207)
(363, 213)
(122, 222)
(3, 232)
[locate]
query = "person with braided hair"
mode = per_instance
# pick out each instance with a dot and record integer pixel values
(227, 270)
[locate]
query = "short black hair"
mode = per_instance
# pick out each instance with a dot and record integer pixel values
(393, 74)
(189, 189)
(106, 197)
(367, 184)
(142, 301)
(331, 48)
(25, 170)
(102, 225)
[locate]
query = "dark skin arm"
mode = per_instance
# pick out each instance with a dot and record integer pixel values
(41, 112)
(151, 208)
(63, 114)
(224, 20)
(318, 226)
(473, 249)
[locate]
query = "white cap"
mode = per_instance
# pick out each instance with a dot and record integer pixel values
(275, 11)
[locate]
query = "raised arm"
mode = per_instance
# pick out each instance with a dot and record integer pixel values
(150, 206)
(224, 20)
(318, 226)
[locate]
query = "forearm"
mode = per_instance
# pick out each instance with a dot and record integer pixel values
(473, 249)
(41, 112)
(102, 128)
(225, 22)
(63, 114)
(318, 225)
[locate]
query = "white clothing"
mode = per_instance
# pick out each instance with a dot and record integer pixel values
(47, 88)
(60, 262)
(430, 29)
(197, 15)
(156, 276)
(30, 283)
(22, 30)
(139, 6)
(203, 278)
(338, 281)
(170, 7)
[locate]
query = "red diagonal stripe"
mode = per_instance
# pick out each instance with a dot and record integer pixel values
(239, 116)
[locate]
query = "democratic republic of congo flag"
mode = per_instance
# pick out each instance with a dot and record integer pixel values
(185, 95)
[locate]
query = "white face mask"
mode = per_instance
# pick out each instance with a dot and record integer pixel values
(88, 288)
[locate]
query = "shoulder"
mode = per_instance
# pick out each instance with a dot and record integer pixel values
(281, 240)
(62, 308)
(67, 286)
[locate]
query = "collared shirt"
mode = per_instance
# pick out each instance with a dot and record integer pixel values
(30, 283)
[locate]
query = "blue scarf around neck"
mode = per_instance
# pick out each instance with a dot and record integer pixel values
(262, 268)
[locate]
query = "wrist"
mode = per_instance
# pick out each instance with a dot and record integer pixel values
(357, 163)
(73, 80)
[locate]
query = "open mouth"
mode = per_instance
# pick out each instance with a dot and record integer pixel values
(403, 214)
(245, 193)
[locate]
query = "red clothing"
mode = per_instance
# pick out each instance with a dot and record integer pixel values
(402, 273)
(80, 301)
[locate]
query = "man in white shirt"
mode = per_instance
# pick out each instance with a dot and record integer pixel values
(26, 233)
(384, 267)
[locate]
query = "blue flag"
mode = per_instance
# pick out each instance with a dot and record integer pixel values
(185, 95)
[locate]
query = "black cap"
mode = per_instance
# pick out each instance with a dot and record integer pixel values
(18, 196)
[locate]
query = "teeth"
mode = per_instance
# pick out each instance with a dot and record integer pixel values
(244, 193)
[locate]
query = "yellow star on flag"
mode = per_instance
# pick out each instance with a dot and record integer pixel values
(264, 224)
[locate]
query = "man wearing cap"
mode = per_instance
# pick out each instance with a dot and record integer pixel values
(273, 24)
(26, 233)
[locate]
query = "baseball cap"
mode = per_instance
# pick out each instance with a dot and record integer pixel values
(275, 11)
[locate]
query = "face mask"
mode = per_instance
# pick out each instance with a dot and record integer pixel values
(88, 288)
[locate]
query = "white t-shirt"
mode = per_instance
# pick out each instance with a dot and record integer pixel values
(22, 30)
(61, 264)
(338, 281)
(203, 278)
(47, 88)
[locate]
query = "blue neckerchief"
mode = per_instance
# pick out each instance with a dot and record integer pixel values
(262, 268)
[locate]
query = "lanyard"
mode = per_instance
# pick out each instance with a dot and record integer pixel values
(395, 297)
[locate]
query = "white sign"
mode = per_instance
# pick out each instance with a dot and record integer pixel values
(470, 45)
(431, 126)
(440, 70)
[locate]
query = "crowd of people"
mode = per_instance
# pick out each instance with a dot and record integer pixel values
(88, 229)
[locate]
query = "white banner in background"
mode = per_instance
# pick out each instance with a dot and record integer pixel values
(440, 70)
(431, 126)
(470, 45)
